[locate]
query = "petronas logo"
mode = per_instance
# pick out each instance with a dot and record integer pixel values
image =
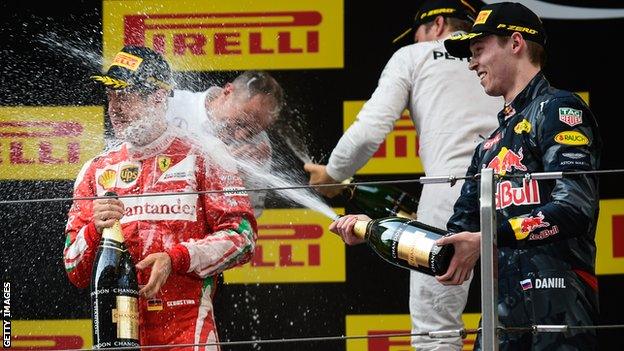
(111, 82)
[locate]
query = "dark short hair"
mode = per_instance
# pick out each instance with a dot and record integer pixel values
(260, 82)
(537, 54)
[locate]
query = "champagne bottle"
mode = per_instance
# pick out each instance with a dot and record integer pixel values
(378, 201)
(407, 243)
(114, 292)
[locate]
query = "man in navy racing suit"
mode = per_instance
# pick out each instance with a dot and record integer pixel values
(546, 228)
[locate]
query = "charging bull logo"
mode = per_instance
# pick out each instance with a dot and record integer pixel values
(524, 226)
(506, 161)
(531, 223)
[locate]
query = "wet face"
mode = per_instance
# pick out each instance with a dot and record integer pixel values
(137, 118)
(239, 118)
(493, 64)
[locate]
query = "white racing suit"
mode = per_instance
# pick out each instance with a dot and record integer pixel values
(450, 111)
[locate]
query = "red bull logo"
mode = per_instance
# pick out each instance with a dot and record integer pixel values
(529, 224)
(507, 195)
(506, 161)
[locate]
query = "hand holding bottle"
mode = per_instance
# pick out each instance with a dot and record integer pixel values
(106, 212)
(343, 226)
(161, 268)
(467, 251)
(318, 175)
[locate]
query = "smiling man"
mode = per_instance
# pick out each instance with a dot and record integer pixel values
(546, 228)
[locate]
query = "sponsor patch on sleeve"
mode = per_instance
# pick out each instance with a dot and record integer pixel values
(571, 138)
(574, 160)
(570, 116)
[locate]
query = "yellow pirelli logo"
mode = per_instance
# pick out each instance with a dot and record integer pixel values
(126, 60)
(38, 143)
(398, 154)
(230, 35)
(377, 326)
(482, 17)
(51, 334)
(610, 237)
(294, 246)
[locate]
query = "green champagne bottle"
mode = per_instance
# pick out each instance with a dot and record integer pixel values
(114, 293)
(407, 243)
(378, 201)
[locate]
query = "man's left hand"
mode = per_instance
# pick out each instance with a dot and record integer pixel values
(161, 268)
(467, 252)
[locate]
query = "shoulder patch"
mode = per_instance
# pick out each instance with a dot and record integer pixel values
(523, 126)
(571, 138)
(570, 116)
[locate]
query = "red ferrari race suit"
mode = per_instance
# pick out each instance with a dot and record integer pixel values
(203, 234)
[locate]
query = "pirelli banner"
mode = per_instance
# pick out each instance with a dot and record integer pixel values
(610, 237)
(398, 154)
(230, 35)
(62, 334)
(38, 143)
(376, 326)
(294, 246)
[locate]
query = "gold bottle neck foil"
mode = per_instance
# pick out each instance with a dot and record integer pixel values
(359, 229)
(113, 233)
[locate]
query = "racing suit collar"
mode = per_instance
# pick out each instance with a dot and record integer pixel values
(137, 153)
(536, 86)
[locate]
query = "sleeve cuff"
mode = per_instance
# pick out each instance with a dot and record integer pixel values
(92, 237)
(180, 258)
(505, 235)
(335, 174)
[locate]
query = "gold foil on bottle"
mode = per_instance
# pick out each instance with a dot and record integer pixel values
(415, 247)
(126, 316)
(113, 233)
(359, 229)
(404, 214)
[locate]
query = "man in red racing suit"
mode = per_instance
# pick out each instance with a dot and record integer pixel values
(202, 235)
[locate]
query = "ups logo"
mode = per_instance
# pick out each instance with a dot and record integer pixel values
(129, 173)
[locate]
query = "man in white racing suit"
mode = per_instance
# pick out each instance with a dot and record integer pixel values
(451, 112)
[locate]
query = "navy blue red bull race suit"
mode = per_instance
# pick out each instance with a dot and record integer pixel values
(546, 228)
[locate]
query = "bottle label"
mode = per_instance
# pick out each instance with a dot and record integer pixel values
(415, 247)
(126, 316)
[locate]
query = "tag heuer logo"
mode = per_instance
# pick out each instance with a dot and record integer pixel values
(570, 116)
(164, 162)
(129, 174)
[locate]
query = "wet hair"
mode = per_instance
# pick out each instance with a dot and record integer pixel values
(260, 82)
(537, 54)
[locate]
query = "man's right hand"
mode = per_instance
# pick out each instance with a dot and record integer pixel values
(318, 175)
(343, 226)
(106, 212)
